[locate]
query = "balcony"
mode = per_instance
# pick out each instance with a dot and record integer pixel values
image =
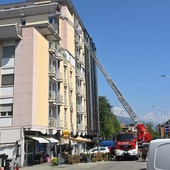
(52, 96)
(52, 122)
(81, 61)
(59, 124)
(52, 71)
(59, 100)
(59, 77)
(80, 91)
(80, 127)
(79, 75)
(58, 55)
(77, 56)
(52, 48)
(80, 109)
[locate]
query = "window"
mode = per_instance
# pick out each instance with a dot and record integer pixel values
(7, 79)
(8, 52)
(3, 113)
(6, 110)
(23, 21)
(52, 20)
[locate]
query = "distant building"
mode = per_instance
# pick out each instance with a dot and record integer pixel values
(48, 78)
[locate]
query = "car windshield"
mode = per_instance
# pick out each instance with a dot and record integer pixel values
(123, 137)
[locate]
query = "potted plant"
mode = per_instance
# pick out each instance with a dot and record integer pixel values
(54, 161)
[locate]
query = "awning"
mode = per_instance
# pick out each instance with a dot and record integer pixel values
(52, 140)
(78, 139)
(39, 139)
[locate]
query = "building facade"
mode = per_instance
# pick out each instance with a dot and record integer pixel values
(48, 78)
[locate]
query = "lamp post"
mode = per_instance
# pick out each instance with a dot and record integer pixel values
(166, 113)
(165, 76)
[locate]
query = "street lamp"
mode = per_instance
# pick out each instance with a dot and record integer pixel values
(166, 113)
(165, 76)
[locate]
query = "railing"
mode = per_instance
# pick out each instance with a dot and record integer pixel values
(80, 127)
(59, 55)
(59, 99)
(52, 48)
(52, 122)
(52, 95)
(52, 70)
(79, 108)
(79, 91)
(59, 123)
(59, 76)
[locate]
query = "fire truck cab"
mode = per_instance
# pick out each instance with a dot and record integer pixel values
(126, 146)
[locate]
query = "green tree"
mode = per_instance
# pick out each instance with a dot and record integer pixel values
(109, 124)
(150, 128)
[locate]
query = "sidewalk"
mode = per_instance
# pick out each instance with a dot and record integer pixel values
(47, 166)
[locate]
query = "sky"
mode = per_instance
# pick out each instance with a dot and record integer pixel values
(132, 38)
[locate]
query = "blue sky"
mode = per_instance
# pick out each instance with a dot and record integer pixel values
(133, 44)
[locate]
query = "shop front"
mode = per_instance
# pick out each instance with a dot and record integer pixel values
(37, 149)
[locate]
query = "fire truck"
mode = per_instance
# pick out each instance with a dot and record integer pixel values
(126, 145)
(134, 142)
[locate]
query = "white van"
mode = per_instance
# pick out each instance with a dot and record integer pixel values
(159, 155)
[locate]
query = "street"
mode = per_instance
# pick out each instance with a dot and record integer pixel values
(109, 165)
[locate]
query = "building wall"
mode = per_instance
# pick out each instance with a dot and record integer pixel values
(31, 80)
(41, 68)
(67, 32)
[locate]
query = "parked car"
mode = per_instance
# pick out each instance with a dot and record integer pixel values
(158, 155)
(96, 149)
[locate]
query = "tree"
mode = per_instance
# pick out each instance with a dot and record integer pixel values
(109, 124)
(153, 133)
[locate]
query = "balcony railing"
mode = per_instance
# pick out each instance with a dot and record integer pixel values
(52, 95)
(59, 123)
(59, 55)
(59, 100)
(52, 48)
(52, 122)
(80, 127)
(79, 74)
(80, 109)
(59, 76)
(52, 71)
(79, 91)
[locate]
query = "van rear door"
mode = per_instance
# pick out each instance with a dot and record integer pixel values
(159, 155)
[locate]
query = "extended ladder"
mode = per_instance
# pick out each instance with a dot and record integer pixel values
(109, 80)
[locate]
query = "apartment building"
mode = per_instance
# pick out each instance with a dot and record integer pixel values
(48, 81)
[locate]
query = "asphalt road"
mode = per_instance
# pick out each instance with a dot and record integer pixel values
(110, 165)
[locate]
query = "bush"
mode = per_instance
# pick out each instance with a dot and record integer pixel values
(54, 161)
(105, 157)
(94, 159)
